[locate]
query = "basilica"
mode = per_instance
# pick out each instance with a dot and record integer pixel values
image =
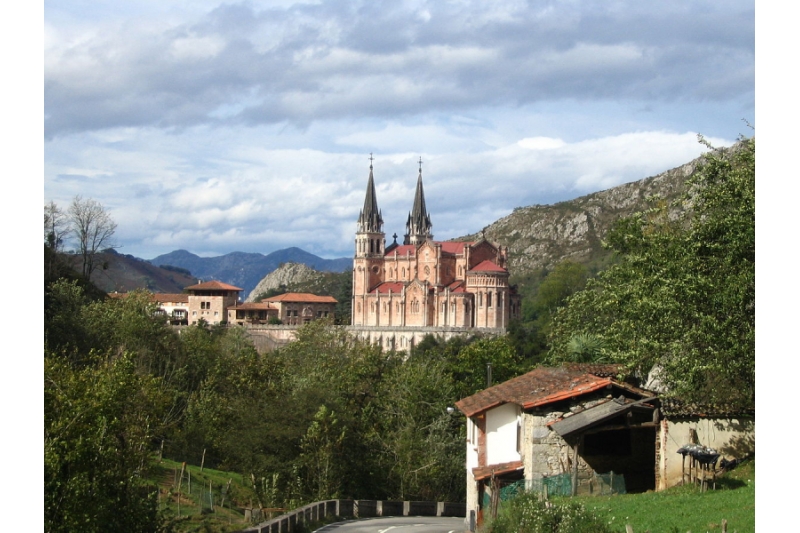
(423, 283)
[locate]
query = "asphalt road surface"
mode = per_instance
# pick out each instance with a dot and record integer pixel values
(397, 524)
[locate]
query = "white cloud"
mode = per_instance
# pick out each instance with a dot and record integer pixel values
(195, 48)
(216, 126)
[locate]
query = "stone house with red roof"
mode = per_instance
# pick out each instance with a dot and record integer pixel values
(291, 308)
(572, 423)
(423, 283)
(210, 301)
(297, 308)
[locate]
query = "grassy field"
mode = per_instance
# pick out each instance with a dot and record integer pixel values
(685, 508)
(191, 510)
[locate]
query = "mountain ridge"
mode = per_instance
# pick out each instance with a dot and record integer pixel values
(247, 269)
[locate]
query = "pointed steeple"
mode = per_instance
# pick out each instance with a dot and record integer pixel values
(370, 219)
(418, 227)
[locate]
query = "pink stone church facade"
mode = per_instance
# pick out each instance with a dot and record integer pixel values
(424, 283)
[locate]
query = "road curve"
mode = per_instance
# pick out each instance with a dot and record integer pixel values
(397, 524)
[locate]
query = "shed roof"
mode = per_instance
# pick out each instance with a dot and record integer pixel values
(597, 415)
(483, 472)
(540, 386)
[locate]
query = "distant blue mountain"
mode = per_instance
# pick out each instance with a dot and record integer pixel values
(245, 270)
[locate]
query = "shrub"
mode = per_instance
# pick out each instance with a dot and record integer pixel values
(526, 514)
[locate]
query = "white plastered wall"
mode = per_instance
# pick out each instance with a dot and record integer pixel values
(501, 434)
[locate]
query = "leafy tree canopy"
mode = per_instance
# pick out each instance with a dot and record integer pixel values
(682, 298)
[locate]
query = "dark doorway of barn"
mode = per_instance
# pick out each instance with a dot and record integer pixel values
(627, 451)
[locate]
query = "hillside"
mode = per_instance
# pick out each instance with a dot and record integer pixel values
(123, 273)
(541, 236)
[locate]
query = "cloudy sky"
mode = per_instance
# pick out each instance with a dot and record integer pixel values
(248, 126)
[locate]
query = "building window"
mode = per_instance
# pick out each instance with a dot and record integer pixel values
(488, 299)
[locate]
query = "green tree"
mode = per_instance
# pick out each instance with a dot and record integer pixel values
(682, 298)
(321, 457)
(469, 369)
(421, 445)
(99, 421)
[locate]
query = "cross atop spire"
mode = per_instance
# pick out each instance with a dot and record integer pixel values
(418, 227)
(370, 219)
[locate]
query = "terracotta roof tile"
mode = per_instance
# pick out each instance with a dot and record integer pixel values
(484, 472)
(672, 407)
(163, 297)
(605, 370)
(255, 306)
(454, 247)
(213, 286)
(384, 288)
(540, 386)
(402, 250)
(488, 266)
(301, 297)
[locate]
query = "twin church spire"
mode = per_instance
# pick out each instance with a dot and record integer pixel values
(370, 221)
(418, 227)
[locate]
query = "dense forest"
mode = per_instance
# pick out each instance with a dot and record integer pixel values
(330, 416)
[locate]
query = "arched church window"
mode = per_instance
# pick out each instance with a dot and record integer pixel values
(488, 299)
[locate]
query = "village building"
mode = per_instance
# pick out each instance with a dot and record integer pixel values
(174, 307)
(578, 429)
(210, 301)
(252, 314)
(423, 283)
(298, 308)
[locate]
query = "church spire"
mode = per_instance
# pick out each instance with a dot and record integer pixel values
(370, 219)
(418, 227)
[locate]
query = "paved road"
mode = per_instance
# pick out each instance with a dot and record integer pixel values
(397, 524)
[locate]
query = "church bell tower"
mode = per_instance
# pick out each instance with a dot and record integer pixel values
(370, 248)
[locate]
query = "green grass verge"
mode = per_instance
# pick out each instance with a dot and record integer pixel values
(190, 509)
(684, 508)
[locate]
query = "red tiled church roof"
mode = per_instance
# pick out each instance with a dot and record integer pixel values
(403, 250)
(488, 266)
(454, 247)
(384, 288)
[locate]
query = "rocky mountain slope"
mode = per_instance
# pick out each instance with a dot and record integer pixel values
(541, 236)
(285, 275)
